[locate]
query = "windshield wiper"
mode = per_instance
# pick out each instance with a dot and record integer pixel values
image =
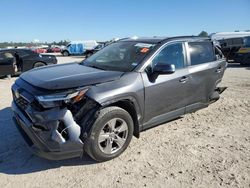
(96, 67)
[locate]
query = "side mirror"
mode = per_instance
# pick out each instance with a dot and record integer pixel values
(161, 68)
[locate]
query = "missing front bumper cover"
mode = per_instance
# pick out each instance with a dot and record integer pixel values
(42, 142)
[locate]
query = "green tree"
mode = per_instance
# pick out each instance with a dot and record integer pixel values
(203, 34)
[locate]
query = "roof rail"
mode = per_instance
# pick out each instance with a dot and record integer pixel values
(183, 37)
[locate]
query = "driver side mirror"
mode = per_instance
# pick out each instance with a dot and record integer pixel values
(161, 68)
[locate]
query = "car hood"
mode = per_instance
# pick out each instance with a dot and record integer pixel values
(66, 76)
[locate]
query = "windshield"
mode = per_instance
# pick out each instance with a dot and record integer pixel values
(120, 56)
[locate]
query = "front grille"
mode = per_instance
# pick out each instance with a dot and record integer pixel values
(21, 102)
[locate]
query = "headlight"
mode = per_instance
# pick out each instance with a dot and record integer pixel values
(48, 101)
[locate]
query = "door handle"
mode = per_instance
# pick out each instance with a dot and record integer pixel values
(183, 79)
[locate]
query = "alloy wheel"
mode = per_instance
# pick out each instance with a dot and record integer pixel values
(113, 136)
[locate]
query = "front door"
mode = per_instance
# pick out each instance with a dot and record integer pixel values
(165, 97)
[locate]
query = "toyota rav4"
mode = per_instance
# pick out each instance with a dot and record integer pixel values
(96, 106)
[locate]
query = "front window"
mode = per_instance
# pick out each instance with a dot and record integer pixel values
(120, 56)
(171, 54)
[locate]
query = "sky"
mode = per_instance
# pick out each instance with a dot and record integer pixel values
(53, 20)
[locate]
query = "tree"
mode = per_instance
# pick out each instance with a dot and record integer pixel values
(203, 34)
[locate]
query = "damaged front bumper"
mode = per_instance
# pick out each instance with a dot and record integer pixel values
(47, 143)
(50, 133)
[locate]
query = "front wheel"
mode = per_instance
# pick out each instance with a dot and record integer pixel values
(110, 134)
(65, 53)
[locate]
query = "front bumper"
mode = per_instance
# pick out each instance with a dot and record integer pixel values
(40, 141)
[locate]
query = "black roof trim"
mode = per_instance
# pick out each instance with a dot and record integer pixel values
(195, 38)
(157, 40)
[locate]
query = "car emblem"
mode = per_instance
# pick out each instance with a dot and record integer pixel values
(17, 95)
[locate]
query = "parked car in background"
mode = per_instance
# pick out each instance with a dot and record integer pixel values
(127, 87)
(90, 52)
(7, 63)
(39, 50)
(26, 59)
(78, 47)
(54, 49)
(235, 46)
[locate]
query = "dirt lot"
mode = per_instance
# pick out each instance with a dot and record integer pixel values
(209, 148)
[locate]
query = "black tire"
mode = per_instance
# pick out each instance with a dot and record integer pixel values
(92, 144)
(39, 64)
(65, 53)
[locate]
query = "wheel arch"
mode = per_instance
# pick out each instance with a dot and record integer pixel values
(39, 62)
(89, 112)
(129, 106)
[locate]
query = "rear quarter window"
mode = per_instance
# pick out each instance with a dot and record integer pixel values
(201, 52)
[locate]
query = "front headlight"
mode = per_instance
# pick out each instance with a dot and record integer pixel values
(48, 101)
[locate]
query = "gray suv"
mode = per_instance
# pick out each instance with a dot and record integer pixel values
(96, 106)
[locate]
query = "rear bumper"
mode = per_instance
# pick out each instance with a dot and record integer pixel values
(216, 94)
(40, 143)
(220, 89)
(53, 61)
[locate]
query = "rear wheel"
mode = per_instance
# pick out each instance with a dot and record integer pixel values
(110, 134)
(65, 53)
(39, 64)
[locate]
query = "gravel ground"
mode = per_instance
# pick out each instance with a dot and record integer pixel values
(209, 148)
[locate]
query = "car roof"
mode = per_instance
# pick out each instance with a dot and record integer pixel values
(19, 50)
(155, 40)
(16, 49)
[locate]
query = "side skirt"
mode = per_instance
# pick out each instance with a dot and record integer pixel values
(173, 115)
(163, 118)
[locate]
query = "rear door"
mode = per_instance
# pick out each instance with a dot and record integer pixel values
(7, 66)
(205, 72)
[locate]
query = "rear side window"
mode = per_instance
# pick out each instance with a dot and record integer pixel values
(201, 52)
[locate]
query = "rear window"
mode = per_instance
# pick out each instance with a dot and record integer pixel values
(201, 52)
